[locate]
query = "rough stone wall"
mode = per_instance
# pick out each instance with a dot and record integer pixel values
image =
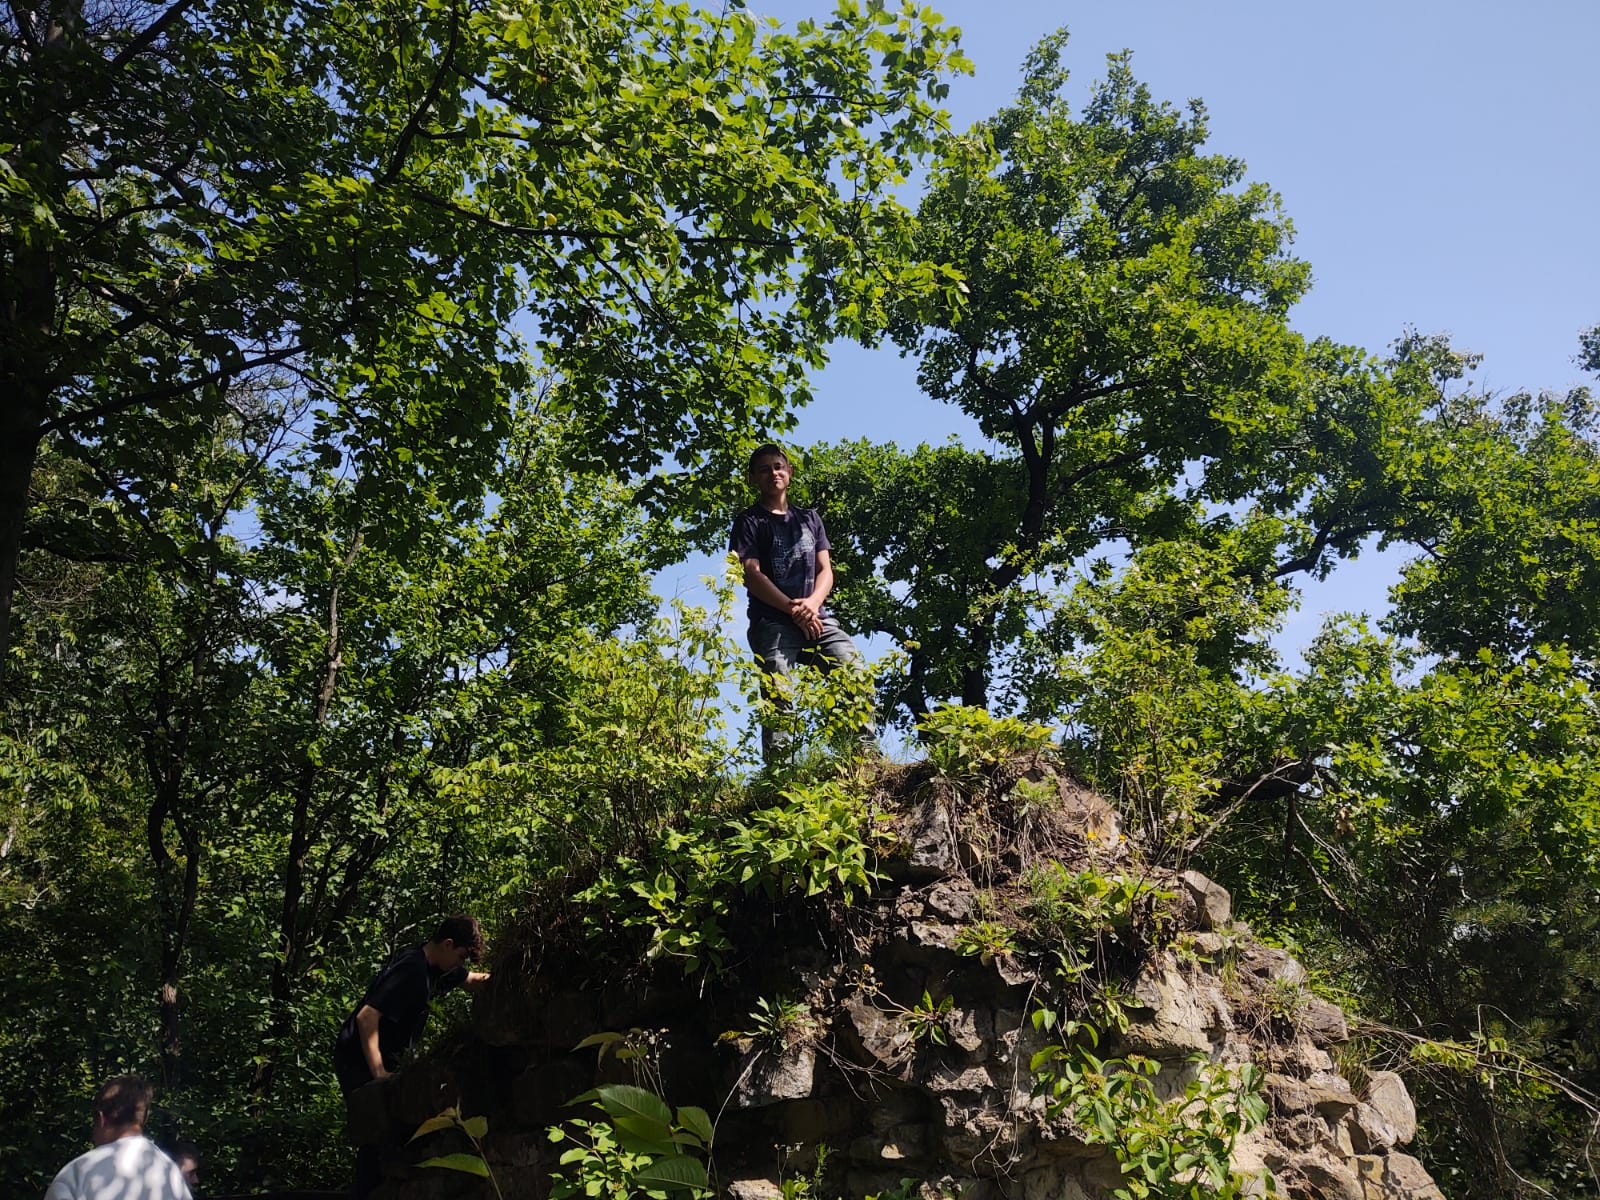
(851, 1074)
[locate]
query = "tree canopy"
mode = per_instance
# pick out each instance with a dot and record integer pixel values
(1124, 342)
(400, 213)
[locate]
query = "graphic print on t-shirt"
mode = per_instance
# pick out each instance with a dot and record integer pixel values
(794, 553)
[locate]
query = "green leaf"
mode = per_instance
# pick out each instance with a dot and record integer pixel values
(643, 1133)
(696, 1121)
(677, 1173)
(470, 1164)
(445, 1120)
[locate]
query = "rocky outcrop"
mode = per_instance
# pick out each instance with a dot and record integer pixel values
(899, 1048)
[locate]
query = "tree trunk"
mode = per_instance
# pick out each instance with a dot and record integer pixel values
(177, 888)
(975, 675)
(292, 921)
(19, 450)
(29, 297)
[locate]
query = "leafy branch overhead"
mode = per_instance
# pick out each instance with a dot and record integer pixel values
(672, 211)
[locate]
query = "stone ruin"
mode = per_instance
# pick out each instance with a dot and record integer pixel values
(853, 1078)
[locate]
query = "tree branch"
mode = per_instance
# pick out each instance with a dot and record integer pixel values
(1326, 536)
(24, 23)
(555, 232)
(67, 421)
(408, 135)
(150, 33)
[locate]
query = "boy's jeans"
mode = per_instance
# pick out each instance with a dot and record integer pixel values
(779, 647)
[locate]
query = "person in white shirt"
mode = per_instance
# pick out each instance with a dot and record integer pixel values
(124, 1164)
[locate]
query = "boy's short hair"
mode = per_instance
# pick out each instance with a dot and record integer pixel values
(123, 1101)
(762, 451)
(462, 930)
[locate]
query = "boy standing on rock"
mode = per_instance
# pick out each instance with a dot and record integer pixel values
(788, 574)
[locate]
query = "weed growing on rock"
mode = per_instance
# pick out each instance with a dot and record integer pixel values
(964, 745)
(986, 941)
(925, 1020)
(637, 1146)
(774, 1021)
(819, 837)
(1180, 1148)
(1071, 906)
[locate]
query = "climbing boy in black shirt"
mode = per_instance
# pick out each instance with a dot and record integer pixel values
(387, 1023)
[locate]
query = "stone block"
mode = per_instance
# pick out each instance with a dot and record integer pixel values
(367, 1114)
(810, 1122)
(1369, 1133)
(1369, 1167)
(942, 1078)
(424, 1089)
(1052, 1183)
(1285, 1094)
(1331, 1096)
(1013, 972)
(971, 1131)
(931, 850)
(520, 1151)
(1304, 1059)
(752, 1189)
(901, 1144)
(1211, 904)
(1407, 1179)
(1386, 1093)
(1268, 963)
(1322, 1022)
(879, 1035)
(766, 1075)
(969, 1030)
(933, 935)
(1327, 1178)
(1303, 1131)
(568, 1018)
(950, 900)
(539, 1094)
(890, 1106)
(1181, 1018)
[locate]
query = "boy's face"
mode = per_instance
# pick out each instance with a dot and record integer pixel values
(456, 956)
(770, 475)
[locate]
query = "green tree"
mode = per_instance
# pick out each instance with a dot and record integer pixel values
(248, 726)
(1424, 828)
(1123, 342)
(1503, 499)
(683, 208)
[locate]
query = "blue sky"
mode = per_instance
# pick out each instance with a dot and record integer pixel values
(1440, 163)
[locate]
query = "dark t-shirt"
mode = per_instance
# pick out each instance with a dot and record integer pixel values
(786, 544)
(401, 993)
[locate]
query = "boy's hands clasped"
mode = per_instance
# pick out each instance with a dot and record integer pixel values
(807, 614)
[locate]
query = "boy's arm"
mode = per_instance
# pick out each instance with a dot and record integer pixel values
(367, 1038)
(475, 980)
(807, 611)
(742, 544)
(764, 590)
